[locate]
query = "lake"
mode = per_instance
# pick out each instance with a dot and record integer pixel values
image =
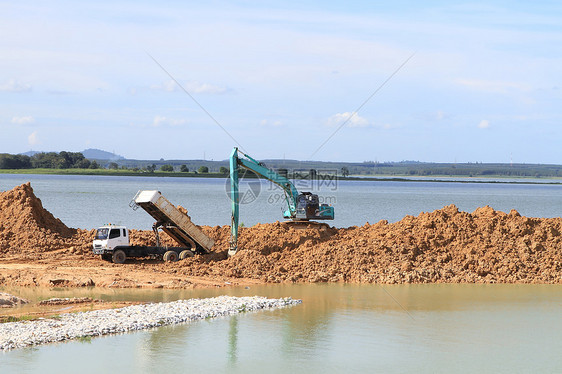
(338, 328)
(91, 201)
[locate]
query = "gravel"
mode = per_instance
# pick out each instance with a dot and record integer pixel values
(132, 318)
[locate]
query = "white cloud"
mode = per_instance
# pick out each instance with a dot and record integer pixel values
(204, 88)
(267, 123)
(350, 120)
(168, 86)
(190, 86)
(165, 121)
(484, 124)
(388, 126)
(160, 121)
(14, 86)
(33, 139)
(23, 120)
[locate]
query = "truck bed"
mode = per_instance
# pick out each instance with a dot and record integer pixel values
(174, 223)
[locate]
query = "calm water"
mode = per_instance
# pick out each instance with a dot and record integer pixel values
(338, 328)
(91, 201)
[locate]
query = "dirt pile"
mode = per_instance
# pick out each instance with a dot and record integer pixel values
(9, 301)
(26, 225)
(442, 246)
(446, 245)
(69, 301)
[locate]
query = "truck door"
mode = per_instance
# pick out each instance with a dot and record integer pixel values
(116, 238)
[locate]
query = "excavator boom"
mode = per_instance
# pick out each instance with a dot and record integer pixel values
(301, 206)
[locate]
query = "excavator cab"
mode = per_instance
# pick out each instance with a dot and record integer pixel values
(309, 207)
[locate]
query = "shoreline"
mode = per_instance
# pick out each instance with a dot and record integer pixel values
(492, 179)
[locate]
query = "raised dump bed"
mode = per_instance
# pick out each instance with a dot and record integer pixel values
(173, 222)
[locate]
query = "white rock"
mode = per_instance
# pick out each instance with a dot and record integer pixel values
(131, 318)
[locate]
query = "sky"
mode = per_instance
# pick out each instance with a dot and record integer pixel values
(432, 81)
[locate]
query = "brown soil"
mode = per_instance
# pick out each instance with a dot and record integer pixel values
(47, 310)
(446, 245)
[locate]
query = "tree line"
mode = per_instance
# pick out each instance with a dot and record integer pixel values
(47, 160)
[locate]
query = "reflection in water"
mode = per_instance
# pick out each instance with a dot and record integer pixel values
(232, 340)
(305, 331)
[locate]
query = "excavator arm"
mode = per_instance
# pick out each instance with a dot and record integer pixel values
(299, 205)
(247, 162)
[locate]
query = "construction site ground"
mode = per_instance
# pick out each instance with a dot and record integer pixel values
(443, 246)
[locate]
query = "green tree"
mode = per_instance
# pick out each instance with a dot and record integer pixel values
(8, 161)
(83, 164)
(223, 170)
(151, 168)
(94, 165)
(44, 160)
(203, 169)
(167, 167)
(344, 171)
(113, 165)
(69, 159)
(184, 169)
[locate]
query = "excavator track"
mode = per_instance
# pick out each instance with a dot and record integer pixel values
(303, 225)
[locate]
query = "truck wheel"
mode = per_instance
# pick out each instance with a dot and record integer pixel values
(119, 257)
(185, 254)
(170, 256)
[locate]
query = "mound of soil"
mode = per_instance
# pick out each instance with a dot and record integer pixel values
(26, 225)
(9, 301)
(69, 301)
(442, 246)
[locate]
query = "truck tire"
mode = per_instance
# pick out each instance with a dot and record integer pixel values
(186, 254)
(170, 256)
(119, 257)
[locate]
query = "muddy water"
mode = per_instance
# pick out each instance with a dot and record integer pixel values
(338, 328)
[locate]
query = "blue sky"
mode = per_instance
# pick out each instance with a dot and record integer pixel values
(484, 84)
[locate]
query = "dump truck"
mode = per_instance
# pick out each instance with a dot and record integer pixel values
(111, 242)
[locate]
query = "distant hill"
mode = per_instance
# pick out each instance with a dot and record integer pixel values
(31, 153)
(98, 154)
(90, 153)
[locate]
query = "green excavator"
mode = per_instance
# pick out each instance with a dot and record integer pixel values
(302, 207)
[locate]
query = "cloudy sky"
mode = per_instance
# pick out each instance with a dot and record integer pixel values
(470, 81)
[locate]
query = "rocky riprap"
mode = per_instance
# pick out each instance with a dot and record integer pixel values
(131, 318)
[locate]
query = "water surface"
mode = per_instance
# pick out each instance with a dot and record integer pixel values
(338, 328)
(91, 201)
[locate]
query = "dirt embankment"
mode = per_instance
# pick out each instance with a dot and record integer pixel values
(446, 245)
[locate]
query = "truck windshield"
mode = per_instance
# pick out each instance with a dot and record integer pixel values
(101, 234)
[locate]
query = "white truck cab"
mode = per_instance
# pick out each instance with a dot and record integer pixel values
(110, 236)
